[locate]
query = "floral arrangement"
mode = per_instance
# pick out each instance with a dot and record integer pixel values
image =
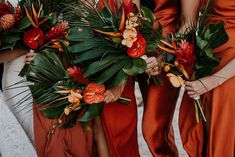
(44, 31)
(12, 25)
(191, 56)
(110, 45)
(74, 65)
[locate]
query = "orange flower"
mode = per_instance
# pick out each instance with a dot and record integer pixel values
(94, 93)
(130, 36)
(176, 81)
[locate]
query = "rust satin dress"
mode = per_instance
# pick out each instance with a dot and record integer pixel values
(221, 101)
(70, 142)
(160, 103)
(120, 121)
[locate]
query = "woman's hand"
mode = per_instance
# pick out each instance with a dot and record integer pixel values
(203, 85)
(153, 65)
(29, 57)
(114, 93)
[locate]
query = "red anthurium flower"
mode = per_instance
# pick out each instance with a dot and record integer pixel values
(94, 93)
(34, 38)
(138, 48)
(76, 73)
(58, 31)
(185, 55)
(128, 7)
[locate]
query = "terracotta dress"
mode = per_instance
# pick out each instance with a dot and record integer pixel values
(221, 101)
(160, 101)
(70, 142)
(120, 121)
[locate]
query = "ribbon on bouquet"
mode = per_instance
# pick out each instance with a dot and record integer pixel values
(175, 125)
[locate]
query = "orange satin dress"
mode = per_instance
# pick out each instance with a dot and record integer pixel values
(160, 101)
(221, 101)
(69, 142)
(120, 121)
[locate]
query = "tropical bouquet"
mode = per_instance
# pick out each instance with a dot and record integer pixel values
(72, 68)
(12, 25)
(110, 44)
(190, 56)
(44, 31)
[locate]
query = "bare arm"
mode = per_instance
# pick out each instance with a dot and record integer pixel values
(205, 84)
(189, 14)
(11, 54)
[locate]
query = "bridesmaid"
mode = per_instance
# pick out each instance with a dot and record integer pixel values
(120, 121)
(159, 105)
(219, 87)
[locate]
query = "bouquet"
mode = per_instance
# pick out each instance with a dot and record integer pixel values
(191, 56)
(12, 25)
(44, 31)
(108, 44)
(73, 66)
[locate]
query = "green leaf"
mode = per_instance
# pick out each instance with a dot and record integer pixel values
(147, 13)
(76, 34)
(92, 112)
(219, 36)
(138, 66)
(100, 65)
(109, 17)
(53, 112)
(24, 23)
(151, 48)
(201, 43)
(10, 38)
(108, 73)
(119, 78)
(87, 45)
(209, 52)
(88, 55)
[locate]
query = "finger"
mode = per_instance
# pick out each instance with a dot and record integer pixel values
(188, 83)
(194, 96)
(191, 92)
(188, 88)
(150, 60)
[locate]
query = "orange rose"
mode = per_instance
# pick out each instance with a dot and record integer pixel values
(94, 93)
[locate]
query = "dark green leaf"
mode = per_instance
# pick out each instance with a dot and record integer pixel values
(53, 112)
(147, 13)
(92, 112)
(87, 55)
(201, 43)
(138, 66)
(108, 73)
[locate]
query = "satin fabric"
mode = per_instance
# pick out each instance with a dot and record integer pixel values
(160, 102)
(120, 120)
(69, 142)
(120, 125)
(220, 103)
